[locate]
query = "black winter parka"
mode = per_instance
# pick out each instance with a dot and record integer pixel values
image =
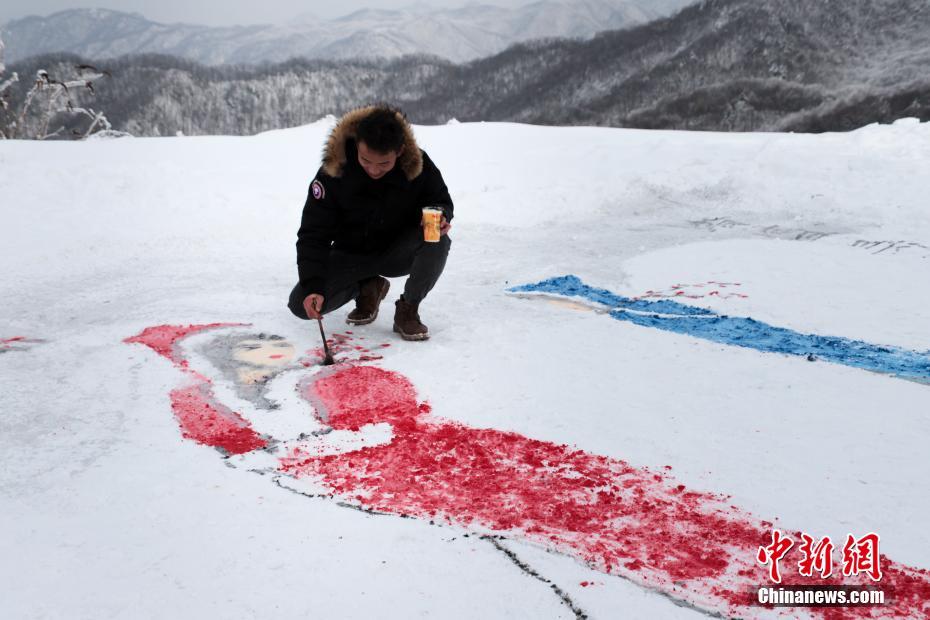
(349, 211)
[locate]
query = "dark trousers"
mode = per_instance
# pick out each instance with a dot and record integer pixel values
(408, 255)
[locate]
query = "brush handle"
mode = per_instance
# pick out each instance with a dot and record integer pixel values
(323, 336)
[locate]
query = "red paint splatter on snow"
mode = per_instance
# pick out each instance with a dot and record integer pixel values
(342, 344)
(163, 338)
(211, 424)
(676, 290)
(7, 344)
(338, 343)
(629, 521)
(194, 406)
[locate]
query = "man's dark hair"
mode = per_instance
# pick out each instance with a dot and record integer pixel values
(381, 130)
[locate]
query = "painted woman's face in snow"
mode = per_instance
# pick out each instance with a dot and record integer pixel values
(264, 353)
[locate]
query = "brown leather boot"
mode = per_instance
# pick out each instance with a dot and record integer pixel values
(372, 291)
(407, 321)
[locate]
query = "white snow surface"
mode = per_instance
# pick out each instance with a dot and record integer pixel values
(108, 512)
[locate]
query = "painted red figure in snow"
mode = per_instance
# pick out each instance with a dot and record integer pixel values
(375, 445)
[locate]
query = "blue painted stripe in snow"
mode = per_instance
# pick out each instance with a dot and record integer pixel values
(741, 331)
(572, 286)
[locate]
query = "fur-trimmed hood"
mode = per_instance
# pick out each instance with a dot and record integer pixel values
(334, 152)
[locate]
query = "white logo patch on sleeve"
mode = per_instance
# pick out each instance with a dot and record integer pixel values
(316, 188)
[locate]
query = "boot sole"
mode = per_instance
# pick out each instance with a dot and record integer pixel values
(362, 321)
(407, 336)
(387, 285)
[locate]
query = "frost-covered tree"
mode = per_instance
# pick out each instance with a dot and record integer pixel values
(49, 102)
(55, 101)
(5, 84)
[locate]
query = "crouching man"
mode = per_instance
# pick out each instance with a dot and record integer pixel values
(363, 223)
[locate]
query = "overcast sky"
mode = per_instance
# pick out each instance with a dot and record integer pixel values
(226, 12)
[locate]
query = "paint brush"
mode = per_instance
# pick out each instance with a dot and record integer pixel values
(328, 358)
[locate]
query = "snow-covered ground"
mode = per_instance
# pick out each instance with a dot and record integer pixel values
(107, 511)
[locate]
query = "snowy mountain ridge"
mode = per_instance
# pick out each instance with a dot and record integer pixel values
(720, 65)
(457, 34)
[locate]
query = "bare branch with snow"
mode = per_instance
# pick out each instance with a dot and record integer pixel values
(56, 101)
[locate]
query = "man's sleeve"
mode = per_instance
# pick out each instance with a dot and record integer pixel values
(435, 192)
(318, 226)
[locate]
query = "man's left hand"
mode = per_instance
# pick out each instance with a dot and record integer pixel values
(444, 226)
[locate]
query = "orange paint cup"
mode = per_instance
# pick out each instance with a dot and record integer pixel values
(432, 218)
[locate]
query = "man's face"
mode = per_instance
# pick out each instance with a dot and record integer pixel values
(376, 164)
